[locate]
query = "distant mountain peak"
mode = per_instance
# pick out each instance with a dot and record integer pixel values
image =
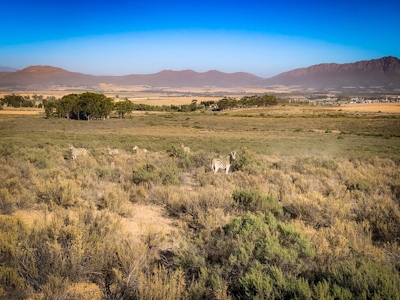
(7, 69)
(43, 69)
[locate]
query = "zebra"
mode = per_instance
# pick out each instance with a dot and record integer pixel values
(137, 150)
(112, 151)
(77, 151)
(223, 163)
(185, 149)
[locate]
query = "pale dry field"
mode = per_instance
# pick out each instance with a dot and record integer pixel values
(21, 111)
(391, 107)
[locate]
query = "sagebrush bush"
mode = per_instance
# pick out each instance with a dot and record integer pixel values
(254, 201)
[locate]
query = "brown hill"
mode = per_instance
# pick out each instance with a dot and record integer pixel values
(364, 74)
(46, 76)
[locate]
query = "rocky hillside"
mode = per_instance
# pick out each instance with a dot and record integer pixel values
(362, 74)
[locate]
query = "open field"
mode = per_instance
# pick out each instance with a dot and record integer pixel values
(312, 200)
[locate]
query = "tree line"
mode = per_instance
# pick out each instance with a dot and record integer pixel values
(14, 100)
(90, 106)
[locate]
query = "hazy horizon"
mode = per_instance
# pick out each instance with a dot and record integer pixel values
(131, 37)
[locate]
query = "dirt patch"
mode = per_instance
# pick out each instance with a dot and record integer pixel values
(149, 224)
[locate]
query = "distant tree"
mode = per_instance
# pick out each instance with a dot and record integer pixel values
(124, 108)
(49, 109)
(227, 103)
(193, 105)
(37, 97)
(207, 103)
(90, 106)
(65, 106)
(17, 101)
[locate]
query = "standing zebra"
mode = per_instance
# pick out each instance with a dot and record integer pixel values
(137, 150)
(77, 151)
(112, 151)
(185, 149)
(223, 163)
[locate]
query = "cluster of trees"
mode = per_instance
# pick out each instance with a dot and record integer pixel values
(16, 101)
(86, 106)
(246, 101)
(89, 106)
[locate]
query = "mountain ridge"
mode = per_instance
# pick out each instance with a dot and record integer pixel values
(384, 71)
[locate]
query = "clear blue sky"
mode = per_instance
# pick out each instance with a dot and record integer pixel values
(265, 38)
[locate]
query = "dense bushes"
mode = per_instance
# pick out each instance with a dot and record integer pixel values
(16, 101)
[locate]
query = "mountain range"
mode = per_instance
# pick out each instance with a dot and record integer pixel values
(382, 73)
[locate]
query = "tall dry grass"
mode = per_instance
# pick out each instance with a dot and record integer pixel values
(305, 219)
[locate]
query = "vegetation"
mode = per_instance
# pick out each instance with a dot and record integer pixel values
(89, 106)
(303, 215)
(16, 101)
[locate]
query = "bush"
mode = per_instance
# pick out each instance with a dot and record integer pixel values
(254, 201)
(246, 160)
(149, 174)
(250, 250)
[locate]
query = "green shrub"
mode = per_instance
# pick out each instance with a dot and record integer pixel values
(150, 174)
(357, 278)
(359, 184)
(249, 250)
(245, 159)
(254, 201)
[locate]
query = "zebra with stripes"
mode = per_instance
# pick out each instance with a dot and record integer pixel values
(185, 148)
(112, 152)
(137, 150)
(223, 163)
(75, 152)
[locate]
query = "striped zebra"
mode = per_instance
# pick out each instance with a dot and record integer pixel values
(112, 152)
(137, 150)
(185, 149)
(75, 152)
(223, 163)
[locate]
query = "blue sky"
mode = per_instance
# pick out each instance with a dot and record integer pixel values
(264, 38)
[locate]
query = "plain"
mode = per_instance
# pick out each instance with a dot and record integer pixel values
(310, 210)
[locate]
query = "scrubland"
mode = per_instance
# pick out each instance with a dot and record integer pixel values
(311, 209)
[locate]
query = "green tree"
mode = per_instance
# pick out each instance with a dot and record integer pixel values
(49, 109)
(66, 105)
(124, 108)
(15, 100)
(92, 106)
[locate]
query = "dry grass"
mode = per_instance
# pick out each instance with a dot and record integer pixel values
(135, 224)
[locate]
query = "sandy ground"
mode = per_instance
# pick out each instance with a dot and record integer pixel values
(21, 111)
(146, 220)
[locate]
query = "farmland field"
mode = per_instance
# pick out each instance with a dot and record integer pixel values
(313, 197)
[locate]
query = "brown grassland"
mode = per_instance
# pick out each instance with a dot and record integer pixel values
(311, 209)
